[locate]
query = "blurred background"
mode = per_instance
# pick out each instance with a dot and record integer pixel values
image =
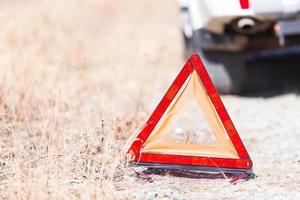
(78, 79)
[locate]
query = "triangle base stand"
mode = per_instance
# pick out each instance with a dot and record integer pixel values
(195, 171)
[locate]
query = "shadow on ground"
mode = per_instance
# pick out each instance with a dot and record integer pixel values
(272, 76)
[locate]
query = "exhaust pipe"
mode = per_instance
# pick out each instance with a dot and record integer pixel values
(248, 25)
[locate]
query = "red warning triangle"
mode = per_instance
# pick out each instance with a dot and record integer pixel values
(153, 147)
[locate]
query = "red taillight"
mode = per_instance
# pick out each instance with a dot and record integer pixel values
(244, 4)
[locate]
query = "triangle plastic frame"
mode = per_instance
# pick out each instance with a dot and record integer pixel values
(200, 163)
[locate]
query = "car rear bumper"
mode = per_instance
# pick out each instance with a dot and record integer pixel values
(276, 52)
(260, 46)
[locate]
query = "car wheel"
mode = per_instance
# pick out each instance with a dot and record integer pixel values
(227, 70)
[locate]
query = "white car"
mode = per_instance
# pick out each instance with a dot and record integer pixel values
(228, 32)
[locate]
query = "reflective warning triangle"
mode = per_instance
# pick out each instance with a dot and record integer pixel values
(154, 148)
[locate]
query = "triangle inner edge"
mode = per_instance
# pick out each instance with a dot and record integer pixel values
(157, 141)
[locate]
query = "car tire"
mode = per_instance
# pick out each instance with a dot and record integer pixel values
(227, 71)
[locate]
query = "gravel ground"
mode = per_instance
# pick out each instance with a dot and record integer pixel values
(78, 78)
(268, 128)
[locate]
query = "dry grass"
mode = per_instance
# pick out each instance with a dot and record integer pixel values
(69, 96)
